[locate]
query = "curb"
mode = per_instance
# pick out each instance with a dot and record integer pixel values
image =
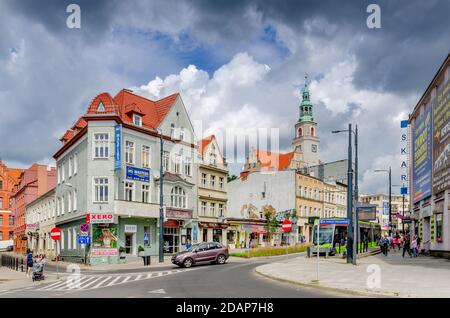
(341, 290)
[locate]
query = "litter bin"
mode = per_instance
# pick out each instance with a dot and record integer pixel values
(146, 260)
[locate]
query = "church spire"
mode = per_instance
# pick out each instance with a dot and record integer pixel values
(306, 105)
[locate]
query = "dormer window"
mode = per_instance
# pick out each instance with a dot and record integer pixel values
(137, 120)
(101, 108)
(172, 131)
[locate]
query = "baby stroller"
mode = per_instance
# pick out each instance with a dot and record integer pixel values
(38, 271)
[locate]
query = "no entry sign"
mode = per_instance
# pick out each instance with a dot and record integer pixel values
(55, 234)
(286, 226)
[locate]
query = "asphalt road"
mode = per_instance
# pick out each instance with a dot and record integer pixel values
(236, 278)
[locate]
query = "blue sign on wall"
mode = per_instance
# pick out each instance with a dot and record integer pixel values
(334, 221)
(385, 208)
(138, 174)
(118, 146)
(421, 150)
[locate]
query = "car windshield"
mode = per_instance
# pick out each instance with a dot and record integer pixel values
(193, 248)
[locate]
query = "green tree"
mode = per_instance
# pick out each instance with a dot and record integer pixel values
(231, 177)
(272, 224)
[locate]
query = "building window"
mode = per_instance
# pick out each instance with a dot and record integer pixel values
(145, 193)
(62, 206)
(137, 120)
(1, 203)
(188, 166)
(213, 182)
(70, 167)
(101, 145)
(212, 156)
(129, 152)
(129, 191)
(1, 222)
(221, 183)
(221, 210)
(182, 133)
(212, 209)
(1, 184)
(75, 200)
(166, 161)
(204, 180)
(74, 237)
(172, 131)
(63, 172)
(145, 156)
(69, 239)
(178, 197)
(203, 208)
(101, 190)
(69, 202)
(75, 163)
(177, 164)
(11, 220)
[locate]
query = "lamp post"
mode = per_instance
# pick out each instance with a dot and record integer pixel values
(161, 204)
(390, 196)
(352, 217)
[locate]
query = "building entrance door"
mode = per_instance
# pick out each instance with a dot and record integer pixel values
(129, 246)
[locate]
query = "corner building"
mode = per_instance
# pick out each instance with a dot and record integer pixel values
(109, 173)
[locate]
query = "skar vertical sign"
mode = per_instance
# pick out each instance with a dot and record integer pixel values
(404, 154)
(118, 146)
(441, 139)
(421, 144)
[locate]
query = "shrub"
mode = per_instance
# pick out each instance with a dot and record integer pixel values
(272, 251)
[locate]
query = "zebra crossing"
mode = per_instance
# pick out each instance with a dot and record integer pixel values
(89, 282)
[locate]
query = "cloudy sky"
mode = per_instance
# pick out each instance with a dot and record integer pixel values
(238, 64)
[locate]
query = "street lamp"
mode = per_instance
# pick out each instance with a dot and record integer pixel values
(161, 208)
(353, 228)
(390, 195)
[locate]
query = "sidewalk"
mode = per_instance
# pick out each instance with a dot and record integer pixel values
(12, 279)
(399, 277)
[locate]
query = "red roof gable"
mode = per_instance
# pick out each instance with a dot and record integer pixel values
(109, 105)
(274, 161)
(80, 124)
(154, 111)
(202, 144)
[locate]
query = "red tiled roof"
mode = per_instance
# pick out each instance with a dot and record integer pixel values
(202, 144)
(108, 103)
(154, 111)
(274, 161)
(80, 124)
(69, 134)
(124, 104)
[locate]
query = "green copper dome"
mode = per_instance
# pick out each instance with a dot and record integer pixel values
(306, 106)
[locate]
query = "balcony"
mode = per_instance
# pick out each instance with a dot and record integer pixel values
(136, 209)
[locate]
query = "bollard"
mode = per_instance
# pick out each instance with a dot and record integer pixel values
(308, 252)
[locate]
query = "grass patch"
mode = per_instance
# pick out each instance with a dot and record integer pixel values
(271, 251)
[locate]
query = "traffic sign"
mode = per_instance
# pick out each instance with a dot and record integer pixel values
(55, 234)
(286, 226)
(84, 239)
(84, 227)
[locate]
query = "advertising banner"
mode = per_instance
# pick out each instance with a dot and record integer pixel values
(138, 174)
(118, 146)
(441, 139)
(104, 236)
(386, 208)
(422, 163)
(104, 252)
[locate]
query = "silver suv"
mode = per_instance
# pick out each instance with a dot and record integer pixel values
(211, 252)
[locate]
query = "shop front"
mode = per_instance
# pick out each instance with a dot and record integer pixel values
(138, 236)
(179, 229)
(214, 232)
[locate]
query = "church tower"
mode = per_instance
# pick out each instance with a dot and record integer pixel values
(306, 143)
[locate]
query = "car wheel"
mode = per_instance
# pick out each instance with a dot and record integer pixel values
(221, 259)
(187, 262)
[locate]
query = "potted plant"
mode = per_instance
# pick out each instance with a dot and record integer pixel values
(122, 252)
(140, 250)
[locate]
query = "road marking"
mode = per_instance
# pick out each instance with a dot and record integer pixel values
(114, 280)
(138, 277)
(99, 284)
(157, 291)
(126, 279)
(95, 280)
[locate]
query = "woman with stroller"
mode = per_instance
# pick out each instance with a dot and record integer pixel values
(29, 260)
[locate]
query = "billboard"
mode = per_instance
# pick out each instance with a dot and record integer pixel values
(421, 150)
(441, 139)
(118, 148)
(138, 174)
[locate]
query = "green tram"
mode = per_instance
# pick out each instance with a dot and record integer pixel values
(333, 234)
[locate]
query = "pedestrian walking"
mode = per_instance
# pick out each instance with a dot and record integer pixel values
(406, 246)
(29, 260)
(419, 248)
(414, 246)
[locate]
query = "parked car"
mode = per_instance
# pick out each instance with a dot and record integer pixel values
(10, 248)
(208, 252)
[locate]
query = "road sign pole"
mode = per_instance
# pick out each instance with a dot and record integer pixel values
(57, 249)
(318, 248)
